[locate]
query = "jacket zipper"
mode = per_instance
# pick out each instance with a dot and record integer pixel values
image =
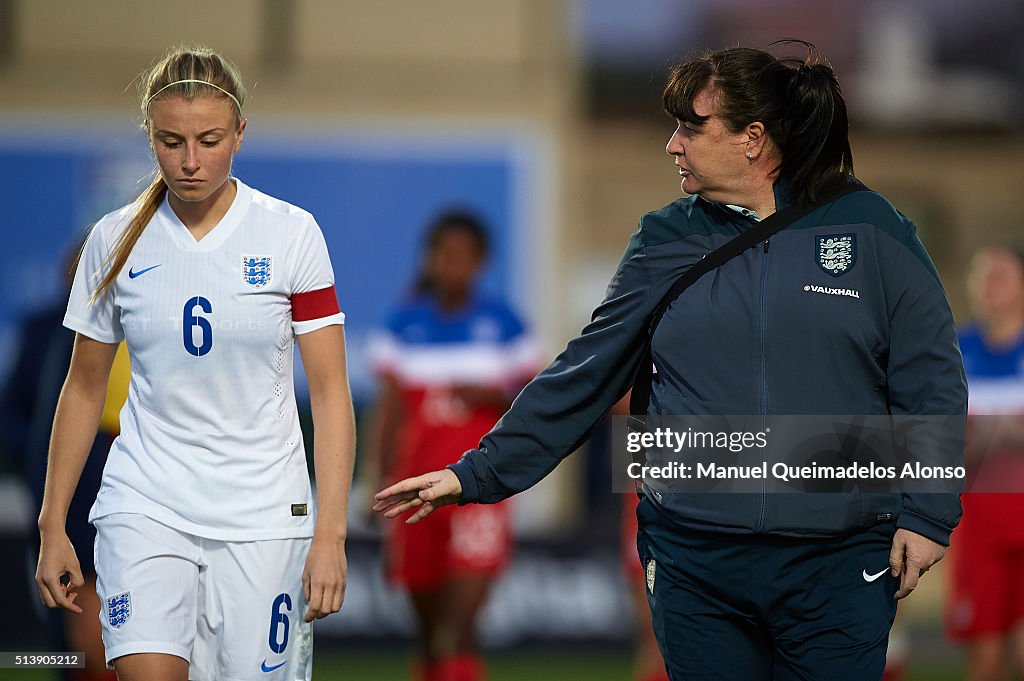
(763, 392)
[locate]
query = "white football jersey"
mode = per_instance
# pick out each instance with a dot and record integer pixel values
(210, 441)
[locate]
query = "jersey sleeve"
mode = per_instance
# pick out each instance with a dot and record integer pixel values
(98, 319)
(313, 298)
(522, 350)
(384, 351)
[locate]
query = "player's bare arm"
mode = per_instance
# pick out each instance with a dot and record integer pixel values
(379, 445)
(74, 427)
(426, 492)
(324, 576)
(912, 555)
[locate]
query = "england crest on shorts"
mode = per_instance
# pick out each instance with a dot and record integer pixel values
(119, 609)
(256, 270)
(836, 253)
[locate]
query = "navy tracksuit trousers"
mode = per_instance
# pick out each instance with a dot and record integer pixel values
(731, 607)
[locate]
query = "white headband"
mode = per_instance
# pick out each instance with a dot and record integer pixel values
(192, 80)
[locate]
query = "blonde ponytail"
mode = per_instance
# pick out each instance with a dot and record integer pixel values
(147, 204)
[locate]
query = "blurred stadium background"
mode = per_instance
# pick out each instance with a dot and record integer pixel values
(543, 116)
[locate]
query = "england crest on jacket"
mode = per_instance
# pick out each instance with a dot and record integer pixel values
(836, 253)
(256, 270)
(119, 609)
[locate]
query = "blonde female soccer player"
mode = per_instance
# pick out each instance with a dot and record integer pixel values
(211, 561)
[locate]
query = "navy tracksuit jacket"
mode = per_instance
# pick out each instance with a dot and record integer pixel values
(776, 330)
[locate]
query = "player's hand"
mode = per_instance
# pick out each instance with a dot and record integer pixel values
(324, 577)
(58, 573)
(911, 556)
(426, 492)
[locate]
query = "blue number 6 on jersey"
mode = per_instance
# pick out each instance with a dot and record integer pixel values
(277, 618)
(191, 320)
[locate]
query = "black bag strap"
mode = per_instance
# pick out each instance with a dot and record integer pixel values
(640, 398)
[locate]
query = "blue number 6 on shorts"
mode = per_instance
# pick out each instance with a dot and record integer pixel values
(278, 640)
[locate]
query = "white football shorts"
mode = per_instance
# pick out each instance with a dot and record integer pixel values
(232, 609)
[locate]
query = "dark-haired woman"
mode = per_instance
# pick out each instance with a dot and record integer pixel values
(449, 362)
(754, 586)
(212, 559)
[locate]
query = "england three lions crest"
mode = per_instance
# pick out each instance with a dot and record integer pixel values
(119, 609)
(836, 253)
(257, 270)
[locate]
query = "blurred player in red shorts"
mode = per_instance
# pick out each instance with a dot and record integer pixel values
(449, 361)
(986, 606)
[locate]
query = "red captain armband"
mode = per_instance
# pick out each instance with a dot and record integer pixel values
(314, 304)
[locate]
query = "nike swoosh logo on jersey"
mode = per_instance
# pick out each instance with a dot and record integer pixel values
(870, 578)
(265, 668)
(132, 275)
